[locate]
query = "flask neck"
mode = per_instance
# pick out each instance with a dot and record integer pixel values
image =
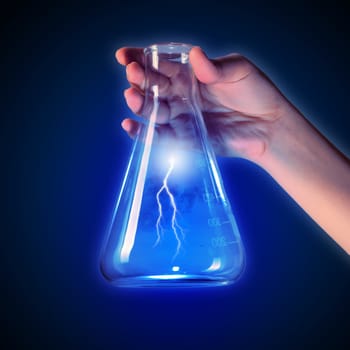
(170, 82)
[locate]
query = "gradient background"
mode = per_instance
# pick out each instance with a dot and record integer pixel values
(64, 156)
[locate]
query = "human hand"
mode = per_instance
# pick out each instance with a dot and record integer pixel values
(247, 116)
(240, 105)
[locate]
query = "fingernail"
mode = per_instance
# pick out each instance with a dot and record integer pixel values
(124, 125)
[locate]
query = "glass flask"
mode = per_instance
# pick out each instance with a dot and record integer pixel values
(173, 224)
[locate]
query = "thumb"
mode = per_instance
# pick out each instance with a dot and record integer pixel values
(204, 69)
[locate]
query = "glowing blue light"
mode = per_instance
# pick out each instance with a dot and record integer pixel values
(167, 277)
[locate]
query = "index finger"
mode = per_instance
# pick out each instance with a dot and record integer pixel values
(126, 55)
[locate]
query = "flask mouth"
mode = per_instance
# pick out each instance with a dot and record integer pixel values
(168, 48)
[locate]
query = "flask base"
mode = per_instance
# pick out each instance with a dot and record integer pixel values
(173, 280)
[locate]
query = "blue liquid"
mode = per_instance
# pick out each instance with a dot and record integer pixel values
(184, 232)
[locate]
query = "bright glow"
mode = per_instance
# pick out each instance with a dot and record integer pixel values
(184, 57)
(176, 228)
(178, 157)
(155, 58)
(167, 277)
(129, 238)
(217, 179)
(216, 264)
(176, 268)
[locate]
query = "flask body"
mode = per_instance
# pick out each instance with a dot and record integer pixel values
(173, 224)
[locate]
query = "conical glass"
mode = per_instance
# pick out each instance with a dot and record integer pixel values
(173, 224)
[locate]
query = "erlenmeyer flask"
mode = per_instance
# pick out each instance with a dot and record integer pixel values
(173, 224)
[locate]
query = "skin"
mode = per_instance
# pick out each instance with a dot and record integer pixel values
(247, 116)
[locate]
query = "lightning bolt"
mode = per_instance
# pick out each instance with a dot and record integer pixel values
(174, 224)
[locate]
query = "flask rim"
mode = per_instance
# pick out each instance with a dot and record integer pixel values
(168, 47)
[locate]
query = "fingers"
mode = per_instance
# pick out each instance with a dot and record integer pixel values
(137, 78)
(136, 102)
(230, 68)
(130, 126)
(126, 55)
(234, 67)
(204, 69)
(166, 134)
(129, 55)
(134, 99)
(135, 75)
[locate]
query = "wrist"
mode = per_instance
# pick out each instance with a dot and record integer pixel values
(312, 171)
(286, 140)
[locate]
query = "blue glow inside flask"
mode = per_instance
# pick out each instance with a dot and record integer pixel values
(173, 224)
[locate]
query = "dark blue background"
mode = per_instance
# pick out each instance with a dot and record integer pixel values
(65, 155)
